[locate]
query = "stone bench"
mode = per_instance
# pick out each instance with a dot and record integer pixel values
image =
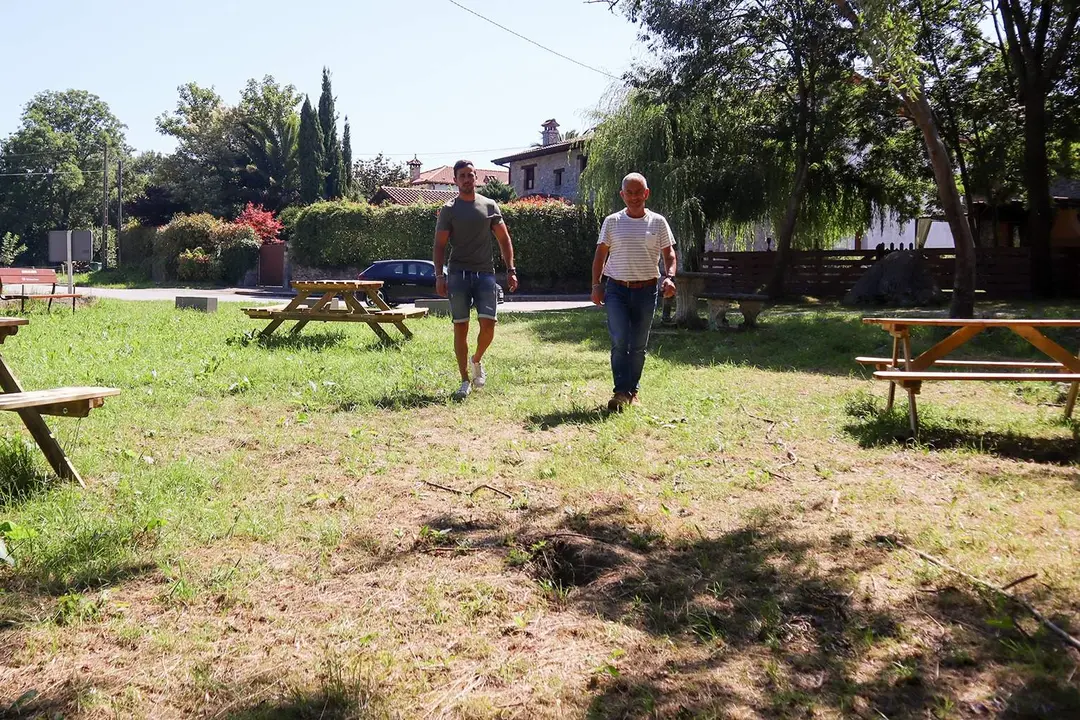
(434, 306)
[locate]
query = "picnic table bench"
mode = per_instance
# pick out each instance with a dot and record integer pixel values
(909, 373)
(336, 301)
(32, 276)
(32, 404)
(691, 286)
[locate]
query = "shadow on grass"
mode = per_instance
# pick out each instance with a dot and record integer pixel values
(805, 338)
(410, 399)
(757, 622)
(573, 416)
(283, 339)
(872, 428)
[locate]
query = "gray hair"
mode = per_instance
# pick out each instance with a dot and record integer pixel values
(635, 176)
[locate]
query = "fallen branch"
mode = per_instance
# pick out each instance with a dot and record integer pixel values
(470, 493)
(791, 456)
(1064, 636)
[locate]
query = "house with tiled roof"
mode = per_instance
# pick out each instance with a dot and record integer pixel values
(551, 169)
(390, 195)
(442, 177)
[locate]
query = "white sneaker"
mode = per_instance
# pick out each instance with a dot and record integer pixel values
(479, 377)
(462, 392)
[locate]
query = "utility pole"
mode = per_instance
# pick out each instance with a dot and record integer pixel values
(105, 204)
(119, 205)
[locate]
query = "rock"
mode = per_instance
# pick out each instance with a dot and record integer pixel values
(900, 279)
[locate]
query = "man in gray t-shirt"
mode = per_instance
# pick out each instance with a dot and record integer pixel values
(466, 225)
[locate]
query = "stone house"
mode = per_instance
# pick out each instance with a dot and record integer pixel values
(552, 169)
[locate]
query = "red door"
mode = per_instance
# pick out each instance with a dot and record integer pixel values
(272, 264)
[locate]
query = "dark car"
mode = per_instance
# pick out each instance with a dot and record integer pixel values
(407, 280)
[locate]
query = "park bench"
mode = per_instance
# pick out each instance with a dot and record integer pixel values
(31, 276)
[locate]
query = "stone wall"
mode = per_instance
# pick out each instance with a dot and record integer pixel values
(544, 170)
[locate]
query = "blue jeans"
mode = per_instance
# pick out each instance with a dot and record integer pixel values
(629, 316)
(468, 289)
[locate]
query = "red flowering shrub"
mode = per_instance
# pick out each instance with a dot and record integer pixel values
(262, 221)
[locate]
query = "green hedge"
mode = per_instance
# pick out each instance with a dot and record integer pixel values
(553, 242)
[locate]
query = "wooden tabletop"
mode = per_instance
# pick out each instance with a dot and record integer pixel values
(337, 284)
(975, 322)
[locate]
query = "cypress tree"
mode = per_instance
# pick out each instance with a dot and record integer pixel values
(332, 161)
(346, 157)
(310, 150)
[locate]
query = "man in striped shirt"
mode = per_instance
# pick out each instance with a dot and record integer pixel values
(628, 253)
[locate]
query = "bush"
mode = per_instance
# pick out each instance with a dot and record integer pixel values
(261, 221)
(137, 245)
(238, 250)
(553, 241)
(184, 232)
(196, 265)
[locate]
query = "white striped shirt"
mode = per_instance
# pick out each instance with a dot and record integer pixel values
(634, 245)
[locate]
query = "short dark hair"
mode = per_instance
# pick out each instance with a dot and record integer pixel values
(460, 164)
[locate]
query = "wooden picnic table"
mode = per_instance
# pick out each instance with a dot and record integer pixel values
(32, 404)
(909, 372)
(317, 300)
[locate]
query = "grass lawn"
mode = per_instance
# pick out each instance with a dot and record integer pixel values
(261, 535)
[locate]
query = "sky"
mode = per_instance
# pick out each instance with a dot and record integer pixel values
(421, 77)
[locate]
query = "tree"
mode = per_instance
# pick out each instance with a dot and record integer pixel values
(310, 152)
(51, 166)
(889, 36)
(497, 191)
(270, 132)
(369, 175)
(332, 158)
(346, 158)
(202, 173)
(790, 57)
(1039, 35)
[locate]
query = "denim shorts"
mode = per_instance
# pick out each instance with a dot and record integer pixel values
(471, 289)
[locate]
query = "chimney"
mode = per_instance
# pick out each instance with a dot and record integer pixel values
(414, 169)
(550, 132)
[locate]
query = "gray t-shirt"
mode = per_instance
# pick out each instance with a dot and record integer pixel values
(470, 225)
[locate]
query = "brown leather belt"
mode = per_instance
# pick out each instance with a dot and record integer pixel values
(634, 284)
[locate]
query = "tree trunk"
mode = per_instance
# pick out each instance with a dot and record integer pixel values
(963, 297)
(1037, 184)
(775, 288)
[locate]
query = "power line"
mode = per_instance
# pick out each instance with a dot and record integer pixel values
(52, 172)
(542, 47)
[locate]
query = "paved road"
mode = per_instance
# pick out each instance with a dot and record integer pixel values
(527, 303)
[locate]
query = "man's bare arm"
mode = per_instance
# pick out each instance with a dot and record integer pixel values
(438, 256)
(506, 247)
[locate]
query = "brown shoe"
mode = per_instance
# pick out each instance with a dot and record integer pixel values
(634, 399)
(618, 401)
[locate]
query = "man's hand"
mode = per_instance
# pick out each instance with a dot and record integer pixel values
(667, 288)
(440, 286)
(597, 294)
(511, 281)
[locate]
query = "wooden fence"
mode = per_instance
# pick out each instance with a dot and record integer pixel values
(1000, 273)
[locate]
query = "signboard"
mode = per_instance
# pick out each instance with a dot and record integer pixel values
(82, 246)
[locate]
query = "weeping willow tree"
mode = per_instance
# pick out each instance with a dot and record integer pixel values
(720, 166)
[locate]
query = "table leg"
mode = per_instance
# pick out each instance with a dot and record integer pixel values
(1070, 402)
(300, 299)
(383, 335)
(373, 293)
(40, 431)
(892, 384)
(322, 302)
(913, 412)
